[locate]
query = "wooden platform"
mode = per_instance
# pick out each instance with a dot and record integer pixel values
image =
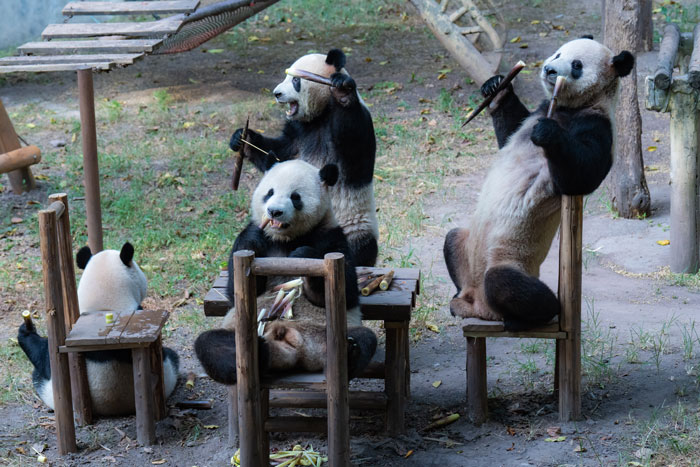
(130, 8)
(475, 327)
(394, 304)
(98, 46)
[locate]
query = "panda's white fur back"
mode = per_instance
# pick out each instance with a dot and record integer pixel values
(109, 285)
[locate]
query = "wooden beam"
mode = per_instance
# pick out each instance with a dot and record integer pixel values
(20, 180)
(694, 63)
(97, 46)
(19, 158)
(288, 267)
(144, 29)
(45, 67)
(119, 59)
(667, 56)
(129, 8)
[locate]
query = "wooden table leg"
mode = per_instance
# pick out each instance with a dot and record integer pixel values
(143, 396)
(395, 375)
(233, 415)
(156, 352)
(477, 397)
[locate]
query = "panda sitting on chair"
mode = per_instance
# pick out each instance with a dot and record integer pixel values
(294, 196)
(495, 262)
(112, 281)
(327, 125)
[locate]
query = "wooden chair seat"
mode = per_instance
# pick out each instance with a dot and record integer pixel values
(139, 328)
(394, 307)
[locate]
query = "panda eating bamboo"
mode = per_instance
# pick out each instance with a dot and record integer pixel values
(291, 217)
(495, 262)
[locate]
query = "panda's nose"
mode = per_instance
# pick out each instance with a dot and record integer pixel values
(549, 70)
(278, 94)
(275, 213)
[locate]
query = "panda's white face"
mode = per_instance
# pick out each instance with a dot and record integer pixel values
(293, 197)
(107, 284)
(306, 99)
(588, 69)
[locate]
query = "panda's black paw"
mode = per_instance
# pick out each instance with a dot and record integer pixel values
(546, 132)
(343, 82)
(235, 142)
(489, 88)
(362, 344)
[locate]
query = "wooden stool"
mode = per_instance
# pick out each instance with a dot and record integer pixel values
(566, 329)
(138, 330)
(307, 390)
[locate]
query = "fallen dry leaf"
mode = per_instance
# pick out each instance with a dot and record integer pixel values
(510, 431)
(663, 242)
(16, 220)
(554, 431)
(515, 39)
(651, 148)
(437, 383)
(432, 327)
(558, 439)
(159, 462)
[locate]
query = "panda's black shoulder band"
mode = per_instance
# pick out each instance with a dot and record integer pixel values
(336, 57)
(83, 256)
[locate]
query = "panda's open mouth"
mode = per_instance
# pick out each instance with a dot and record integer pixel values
(275, 224)
(293, 108)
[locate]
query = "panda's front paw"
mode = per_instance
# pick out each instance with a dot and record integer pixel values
(489, 88)
(304, 252)
(343, 82)
(235, 141)
(546, 132)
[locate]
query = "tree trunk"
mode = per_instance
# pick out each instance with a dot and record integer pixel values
(626, 182)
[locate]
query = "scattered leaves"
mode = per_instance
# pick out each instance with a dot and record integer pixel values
(515, 40)
(187, 125)
(663, 242)
(436, 384)
(557, 439)
(432, 327)
(651, 148)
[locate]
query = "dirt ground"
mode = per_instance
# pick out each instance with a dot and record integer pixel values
(637, 318)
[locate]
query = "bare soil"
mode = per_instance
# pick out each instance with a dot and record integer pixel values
(626, 288)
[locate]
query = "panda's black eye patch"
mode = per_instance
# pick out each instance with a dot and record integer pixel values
(268, 195)
(576, 69)
(296, 201)
(296, 82)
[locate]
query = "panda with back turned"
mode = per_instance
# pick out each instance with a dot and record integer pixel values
(294, 197)
(495, 262)
(112, 281)
(327, 125)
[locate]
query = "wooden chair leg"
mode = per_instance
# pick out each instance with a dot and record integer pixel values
(395, 376)
(569, 358)
(156, 353)
(143, 396)
(477, 403)
(233, 415)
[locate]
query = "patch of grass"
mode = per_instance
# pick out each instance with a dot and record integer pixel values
(597, 347)
(15, 373)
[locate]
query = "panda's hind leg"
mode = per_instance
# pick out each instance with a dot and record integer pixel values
(455, 252)
(523, 300)
(362, 344)
(216, 351)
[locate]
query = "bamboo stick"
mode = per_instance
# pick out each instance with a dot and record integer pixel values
(506, 81)
(307, 75)
(238, 161)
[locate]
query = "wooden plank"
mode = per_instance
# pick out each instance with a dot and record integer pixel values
(19, 158)
(102, 66)
(119, 59)
(477, 403)
(362, 400)
(92, 329)
(143, 396)
(248, 379)
(144, 327)
(123, 46)
(143, 29)
(471, 325)
(129, 8)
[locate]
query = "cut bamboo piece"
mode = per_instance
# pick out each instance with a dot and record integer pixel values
(386, 280)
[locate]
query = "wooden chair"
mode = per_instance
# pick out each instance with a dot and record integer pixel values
(14, 159)
(566, 330)
(393, 307)
(70, 333)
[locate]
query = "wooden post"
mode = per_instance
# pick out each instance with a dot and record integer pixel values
(569, 349)
(477, 395)
(685, 125)
(80, 387)
(337, 361)
(143, 396)
(91, 172)
(395, 376)
(21, 180)
(232, 416)
(60, 373)
(248, 379)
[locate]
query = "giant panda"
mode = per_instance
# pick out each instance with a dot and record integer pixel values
(327, 125)
(112, 281)
(294, 195)
(495, 261)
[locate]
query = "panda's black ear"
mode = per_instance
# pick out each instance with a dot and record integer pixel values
(336, 57)
(623, 63)
(329, 174)
(587, 36)
(83, 256)
(127, 254)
